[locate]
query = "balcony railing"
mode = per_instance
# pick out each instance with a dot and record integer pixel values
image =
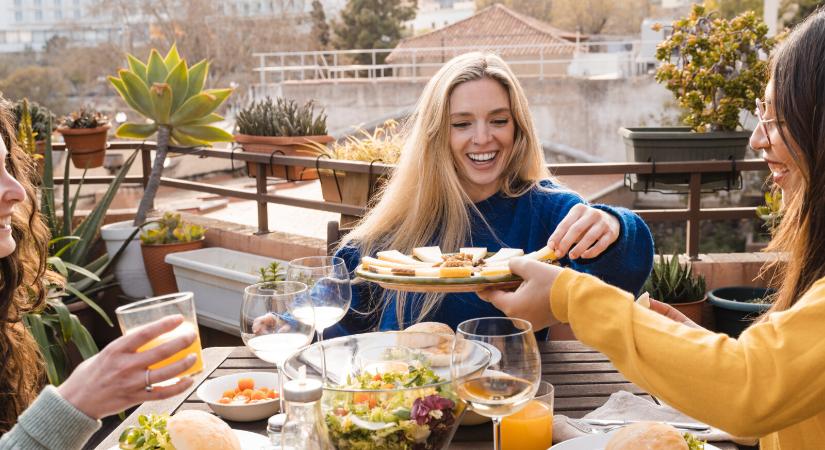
(693, 214)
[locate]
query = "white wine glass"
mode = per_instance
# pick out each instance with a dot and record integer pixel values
(328, 284)
(270, 327)
(513, 376)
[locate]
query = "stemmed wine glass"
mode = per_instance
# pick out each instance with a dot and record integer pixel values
(270, 326)
(513, 376)
(328, 283)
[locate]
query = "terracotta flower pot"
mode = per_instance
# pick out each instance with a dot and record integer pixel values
(87, 146)
(693, 310)
(289, 146)
(161, 274)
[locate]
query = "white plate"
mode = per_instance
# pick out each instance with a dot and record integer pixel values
(597, 442)
(249, 440)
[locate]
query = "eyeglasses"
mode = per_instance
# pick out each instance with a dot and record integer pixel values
(761, 108)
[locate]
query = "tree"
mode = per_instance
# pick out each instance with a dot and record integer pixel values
(539, 9)
(320, 27)
(793, 12)
(44, 85)
(732, 8)
(372, 24)
(599, 16)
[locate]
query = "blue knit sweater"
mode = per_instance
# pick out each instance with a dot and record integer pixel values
(525, 222)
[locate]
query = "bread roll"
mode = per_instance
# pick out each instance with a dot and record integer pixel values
(431, 327)
(197, 430)
(647, 436)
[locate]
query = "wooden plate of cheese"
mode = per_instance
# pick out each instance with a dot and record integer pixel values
(427, 269)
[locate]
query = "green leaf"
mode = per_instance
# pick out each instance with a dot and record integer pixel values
(200, 105)
(206, 133)
(136, 130)
(139, 91)
(82, 339)
(161, 102)
(38, 331)
(197, 78)
(89, 302)
(156, 69)
(211, 118)
(64, 318)
(178, 81)
(58, 265)
(184, 140)
(137, 67)
(172, 58)
(82, 271)
(120, 87)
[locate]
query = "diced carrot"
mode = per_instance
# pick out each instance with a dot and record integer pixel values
(229, 393)
(247, 393)
(271, 394)
(361, 397)
(225, 400)
(258, 395)
(246, 383)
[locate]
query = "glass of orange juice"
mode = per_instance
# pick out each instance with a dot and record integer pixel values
(532, 427)
(142, 312)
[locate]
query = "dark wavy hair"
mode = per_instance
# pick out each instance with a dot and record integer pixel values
(21, 289)
(798, 73)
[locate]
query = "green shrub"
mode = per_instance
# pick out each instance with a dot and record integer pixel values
(172, 229)
(41, 118)
(673, 282)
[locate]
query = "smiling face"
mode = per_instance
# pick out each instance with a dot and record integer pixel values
(774, 149)
(482, 132)
(11, 193)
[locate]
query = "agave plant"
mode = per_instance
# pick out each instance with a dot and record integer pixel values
(673, 282)
(171, 95)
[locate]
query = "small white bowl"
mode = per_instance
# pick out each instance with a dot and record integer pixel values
(212, 390)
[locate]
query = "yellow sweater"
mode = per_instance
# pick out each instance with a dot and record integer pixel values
(768, 383)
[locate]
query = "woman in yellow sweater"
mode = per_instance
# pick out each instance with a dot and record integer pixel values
(770, 382)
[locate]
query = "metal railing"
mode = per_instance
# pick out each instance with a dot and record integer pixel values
(535, 60)
(693, 214)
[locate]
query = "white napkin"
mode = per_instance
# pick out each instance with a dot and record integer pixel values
(625, 405)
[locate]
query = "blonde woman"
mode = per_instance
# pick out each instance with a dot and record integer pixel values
(472, 173)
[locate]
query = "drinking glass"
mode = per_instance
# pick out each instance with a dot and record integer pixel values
(512, 378)
(532, 427)
(328, 283)
(270, 326)
(142, 312)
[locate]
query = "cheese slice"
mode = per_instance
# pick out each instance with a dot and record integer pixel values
(455, 272)
(398, 257)
(644, 300)
(504, 254)
(430, 272)
(428, 254)
(476, 252)
(542, 254)
(369, 261)
(495, 271)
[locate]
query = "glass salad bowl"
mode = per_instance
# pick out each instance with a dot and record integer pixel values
(388, 390)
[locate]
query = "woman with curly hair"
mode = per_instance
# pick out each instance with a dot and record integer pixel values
(64, 417)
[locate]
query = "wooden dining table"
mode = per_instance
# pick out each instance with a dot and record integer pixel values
(583, 379)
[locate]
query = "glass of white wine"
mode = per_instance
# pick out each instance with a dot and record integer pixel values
(328, 284)
(270, 326)
(514, 373)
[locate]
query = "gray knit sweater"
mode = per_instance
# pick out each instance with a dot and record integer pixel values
(50, 423)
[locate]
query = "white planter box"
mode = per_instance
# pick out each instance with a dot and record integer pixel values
(217, 276)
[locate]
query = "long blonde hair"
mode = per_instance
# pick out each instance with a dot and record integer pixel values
(423, 202)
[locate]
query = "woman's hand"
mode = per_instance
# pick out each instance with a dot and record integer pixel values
(585, 232)
(115, 378)
(531, 301)
(672, 313)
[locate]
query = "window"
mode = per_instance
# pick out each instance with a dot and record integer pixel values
(77, 14)
(18, 16)
(57, 3)
(58, 14)
(38, 3)
(38, 15)
(18, 2)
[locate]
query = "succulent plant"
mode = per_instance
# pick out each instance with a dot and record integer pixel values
(41, 118)
(272, 272)
(713, 66)
(171, 95)
(26, 136)
(771, 211)
(383, 144)
(172, 229)
(673, 282)
(85, 117)
(281, 117)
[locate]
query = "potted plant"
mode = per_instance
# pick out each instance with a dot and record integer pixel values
(356, 188)
(218, 276)
(281, 126)
(86, 133)
(42, 121)
(77, 275)
(770, 213)
(170, 94)
(736, 307)
(673, 283)
(715, 69)
(171, 235)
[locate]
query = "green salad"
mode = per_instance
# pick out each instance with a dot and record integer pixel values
(149, 434)
(694, 443)
(396, 415)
